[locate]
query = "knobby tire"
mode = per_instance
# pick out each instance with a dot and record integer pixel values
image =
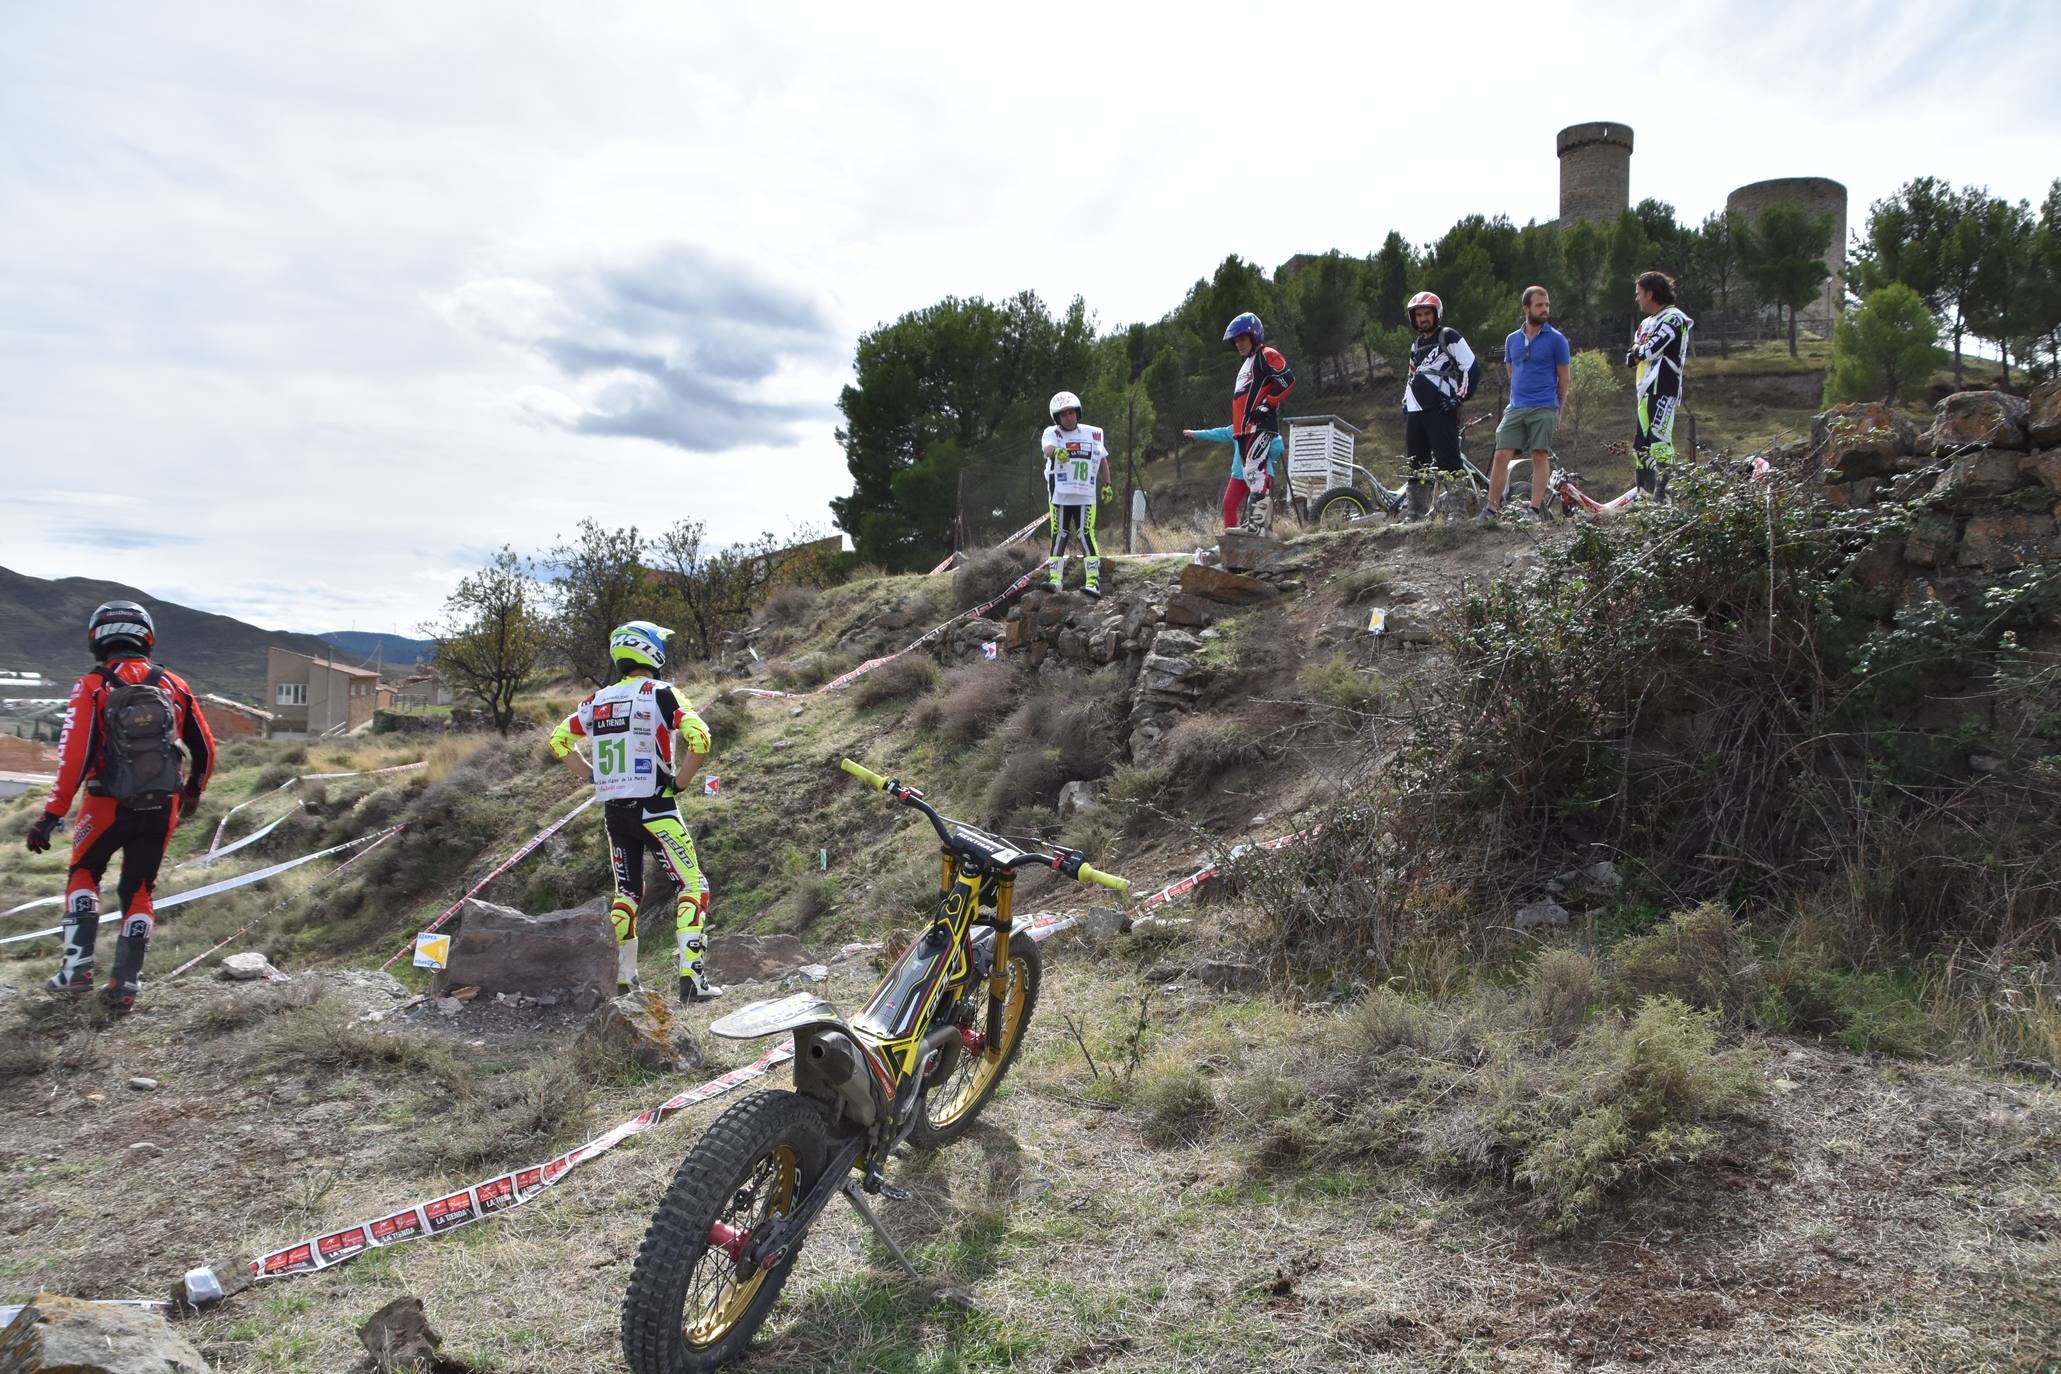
(711, 1182)
(976, 1081)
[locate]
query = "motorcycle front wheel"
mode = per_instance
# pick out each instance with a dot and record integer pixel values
(690, 1307)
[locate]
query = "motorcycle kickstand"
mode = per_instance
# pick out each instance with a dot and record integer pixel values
(956, 1297)
(857, 1199)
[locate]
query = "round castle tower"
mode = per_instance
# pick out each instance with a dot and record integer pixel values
(1595, 172)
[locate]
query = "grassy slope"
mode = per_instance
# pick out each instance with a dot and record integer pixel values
(1860, 1215)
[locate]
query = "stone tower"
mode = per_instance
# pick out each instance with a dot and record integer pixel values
(1813, 196)
(1595, 172)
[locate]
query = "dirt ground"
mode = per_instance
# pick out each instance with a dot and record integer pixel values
(1866, 1216)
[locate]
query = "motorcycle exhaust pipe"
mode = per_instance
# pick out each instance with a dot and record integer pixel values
(833, 1062)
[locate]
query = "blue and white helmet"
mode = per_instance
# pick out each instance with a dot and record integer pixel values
(639, 642)
(1246, 323)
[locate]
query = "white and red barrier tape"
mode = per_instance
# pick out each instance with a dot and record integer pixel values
(274, 909)
(226, 850)
(870, 664)
(477, 1201)
(216, 843)
(489, 1196)
(196, 893)
(511, 861)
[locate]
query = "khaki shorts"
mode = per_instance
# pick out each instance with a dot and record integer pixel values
(1528, 429)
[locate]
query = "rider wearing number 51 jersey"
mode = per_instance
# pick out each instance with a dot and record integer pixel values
(636, 773)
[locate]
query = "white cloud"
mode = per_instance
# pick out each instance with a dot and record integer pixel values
(346, 295)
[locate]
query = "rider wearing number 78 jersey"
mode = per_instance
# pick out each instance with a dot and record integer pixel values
(1076, 472)
(636, 773)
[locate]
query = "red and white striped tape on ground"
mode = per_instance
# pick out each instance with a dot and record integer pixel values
(196, 893)
(477, 1201)
(489, 1196)
(216, 843)
(511, 861)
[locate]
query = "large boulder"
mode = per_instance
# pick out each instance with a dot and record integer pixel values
(570, 954)
(1979, 419)
(1998, 543)
(54, 1335)
(751, 958)
(1863, 439)
(1225, 588)
(1242, 552)
(1974, 481)
(2043, 415)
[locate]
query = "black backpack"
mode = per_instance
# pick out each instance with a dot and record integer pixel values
(140, 759)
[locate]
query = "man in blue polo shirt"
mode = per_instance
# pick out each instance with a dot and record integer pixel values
(1536, 356)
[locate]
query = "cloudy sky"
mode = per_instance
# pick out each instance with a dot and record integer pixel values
(306, 308)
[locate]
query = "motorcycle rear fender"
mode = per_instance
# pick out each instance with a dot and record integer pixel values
(777, 1015)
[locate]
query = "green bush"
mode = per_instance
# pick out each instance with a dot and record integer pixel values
(1700, 957)
(1179, 1103)
(1638, 1094)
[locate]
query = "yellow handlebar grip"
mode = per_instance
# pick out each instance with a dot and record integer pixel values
(865, 775)
(1090, 874)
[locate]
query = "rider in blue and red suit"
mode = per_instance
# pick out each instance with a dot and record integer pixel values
(121, 635)
(1264, 381)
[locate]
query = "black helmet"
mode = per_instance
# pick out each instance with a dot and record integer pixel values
(117, 626)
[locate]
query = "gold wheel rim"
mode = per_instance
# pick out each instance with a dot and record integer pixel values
(716, 1299)
(972, 1074)
(1340, 513)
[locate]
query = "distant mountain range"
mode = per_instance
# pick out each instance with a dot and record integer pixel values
(43, 629)
(363, 646)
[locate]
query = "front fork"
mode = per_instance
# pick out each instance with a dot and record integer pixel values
(998, 977)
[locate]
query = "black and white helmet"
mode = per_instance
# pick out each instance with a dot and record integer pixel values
(118, 626)
(1065, 400)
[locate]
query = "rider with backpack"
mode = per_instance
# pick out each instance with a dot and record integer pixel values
(129, 729)
(1443, 372)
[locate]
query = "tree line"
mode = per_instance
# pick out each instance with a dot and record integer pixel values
(519, 620)
(1936, 260)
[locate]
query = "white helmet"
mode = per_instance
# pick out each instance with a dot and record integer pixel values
(1065, 400)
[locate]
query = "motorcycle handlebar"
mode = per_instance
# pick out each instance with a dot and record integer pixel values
(1065, 860)
(865, 775)
(1090, 874)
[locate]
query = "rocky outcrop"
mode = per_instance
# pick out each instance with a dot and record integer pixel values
(2043, 415)
(1863, 439)
(638, 1028)
(570, 954)
(54, 1335)
(1978, 419)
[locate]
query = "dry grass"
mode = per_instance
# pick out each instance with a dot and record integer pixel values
(791, 603)
(321, 1034)
(1054, 737)
(1200, 749)
(901, 678)
(1336, 684)
(527, 1114)
(1699, 956)
(987, 571)
(1565, 987)
(972, 700)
